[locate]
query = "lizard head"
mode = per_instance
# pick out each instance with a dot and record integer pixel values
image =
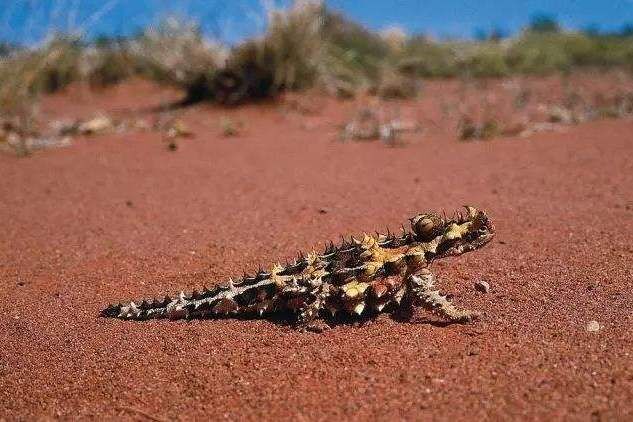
(453, 236)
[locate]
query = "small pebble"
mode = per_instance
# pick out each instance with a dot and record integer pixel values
(482, 286)
(593, 326)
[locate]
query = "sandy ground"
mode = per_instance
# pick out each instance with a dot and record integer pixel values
(120, 216)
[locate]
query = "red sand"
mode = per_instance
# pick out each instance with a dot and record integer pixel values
(121, 217)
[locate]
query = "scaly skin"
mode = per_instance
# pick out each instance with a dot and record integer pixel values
(379, 273)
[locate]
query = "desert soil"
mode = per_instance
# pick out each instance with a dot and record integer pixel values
(119, 217)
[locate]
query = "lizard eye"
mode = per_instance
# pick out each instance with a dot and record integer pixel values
(427, 226)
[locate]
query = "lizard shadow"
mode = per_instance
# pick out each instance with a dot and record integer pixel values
(411, 319)
(288, 319)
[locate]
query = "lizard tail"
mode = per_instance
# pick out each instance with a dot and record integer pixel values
(225, 299)
(196, 304)
(140, 310)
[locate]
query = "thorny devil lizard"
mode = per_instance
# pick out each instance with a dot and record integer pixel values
(378, 273)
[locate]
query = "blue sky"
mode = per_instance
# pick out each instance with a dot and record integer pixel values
(27, 21)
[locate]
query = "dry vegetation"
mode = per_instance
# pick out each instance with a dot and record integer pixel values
(304, 46)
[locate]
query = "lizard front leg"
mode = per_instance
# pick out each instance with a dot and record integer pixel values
(421, 292)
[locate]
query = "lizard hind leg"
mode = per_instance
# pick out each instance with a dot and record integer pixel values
(309, 314)
(421, 287)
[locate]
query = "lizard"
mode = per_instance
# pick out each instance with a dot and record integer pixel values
(381, 273)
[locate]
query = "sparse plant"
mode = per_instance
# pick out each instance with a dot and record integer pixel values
(176, 52)
(22, 138)
(303, 46)
(423, 57)
(490, 129)
(105, 66)
(229, 127)
(393, 84)
(561, 114)
(352, 48)
(11, 139)
(522, 98)
(365, 126)
(469, 129)
(7, 48)
(287, 57)
(485, 61)
(29, 73)
(544, 23)
(373, 123)
(624, 103)
(395, 37)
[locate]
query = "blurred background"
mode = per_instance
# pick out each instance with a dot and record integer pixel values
(28, 21)
(231, 53)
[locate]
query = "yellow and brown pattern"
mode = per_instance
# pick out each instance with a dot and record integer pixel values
(380, 273)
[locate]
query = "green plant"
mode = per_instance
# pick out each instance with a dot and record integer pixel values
(538, 53)
(355, 47)
(425, 58)
(487, 60)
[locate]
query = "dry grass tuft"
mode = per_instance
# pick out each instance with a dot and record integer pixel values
(230, 127)
(395, 85)
(471, 130)
(176, 52)
(288, 56)
(373, 123)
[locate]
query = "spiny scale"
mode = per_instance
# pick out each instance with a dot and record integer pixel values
(358, 276)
